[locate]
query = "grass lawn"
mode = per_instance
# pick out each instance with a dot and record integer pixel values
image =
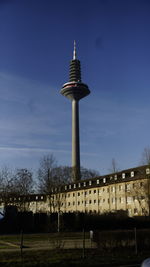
(62, 258)
(36, 253)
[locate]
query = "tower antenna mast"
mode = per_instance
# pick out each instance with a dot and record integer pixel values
(75, 90)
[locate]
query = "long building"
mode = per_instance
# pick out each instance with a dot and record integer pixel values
(127, 190)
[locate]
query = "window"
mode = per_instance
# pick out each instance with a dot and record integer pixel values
(107, 190)
(115, 176)
(129, 200)
(141, 184)
(73, 203)
(89, 192)
(129, 212)
(132, 174)
(94, 201)
(120, 187)
(135, 211)
(74, 185)
(84, 184)
(78, 203)
(73, 194)
(128, 187)
(78, 194)
(104, 180)
(143, 210)
(70, 186)
(85, 193)
(123, 175)
(68, 195)
(95, 191)
(68, 203)
(36, 198)
(90, 201)
(90, 182)
(147, 171)
(103, 200)
(97, 181)
(41, 197)
(122, 200)
(65, 187)
(113, 200)
(79, 184)
(113, 189)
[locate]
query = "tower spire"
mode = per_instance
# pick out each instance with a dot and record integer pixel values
(74, 51)
(75, 90)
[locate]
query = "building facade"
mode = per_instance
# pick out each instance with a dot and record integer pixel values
(127, 191)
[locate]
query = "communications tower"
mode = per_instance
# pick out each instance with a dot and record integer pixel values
(75, 90)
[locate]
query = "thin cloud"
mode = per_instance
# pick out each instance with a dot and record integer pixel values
(32, 150)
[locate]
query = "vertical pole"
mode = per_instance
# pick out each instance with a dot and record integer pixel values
(135, 237)
(21, 243)
(83, 252)
(115, 197)
(75, 141)
(58, 223)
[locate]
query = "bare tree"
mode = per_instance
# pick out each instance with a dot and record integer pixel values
(140, 194)
(141, 190)
(114, 166)
(23, 182)
(114, 169)
(14, 184)
(146, 161)
(51, 175)
(88, 173)
(46, 174)
(6, 184)
(146, 156)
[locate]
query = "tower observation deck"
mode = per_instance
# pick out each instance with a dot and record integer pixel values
(75, 90)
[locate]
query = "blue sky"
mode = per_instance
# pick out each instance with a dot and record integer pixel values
(113, 45)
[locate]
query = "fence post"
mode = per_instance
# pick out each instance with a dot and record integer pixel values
(83, 251)
(21, 243)
(135, 238)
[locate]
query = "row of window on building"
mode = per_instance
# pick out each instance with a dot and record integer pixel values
(98, 181)
(126, 187)
(128, 200)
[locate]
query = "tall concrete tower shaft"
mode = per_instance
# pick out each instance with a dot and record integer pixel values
(75, 90)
